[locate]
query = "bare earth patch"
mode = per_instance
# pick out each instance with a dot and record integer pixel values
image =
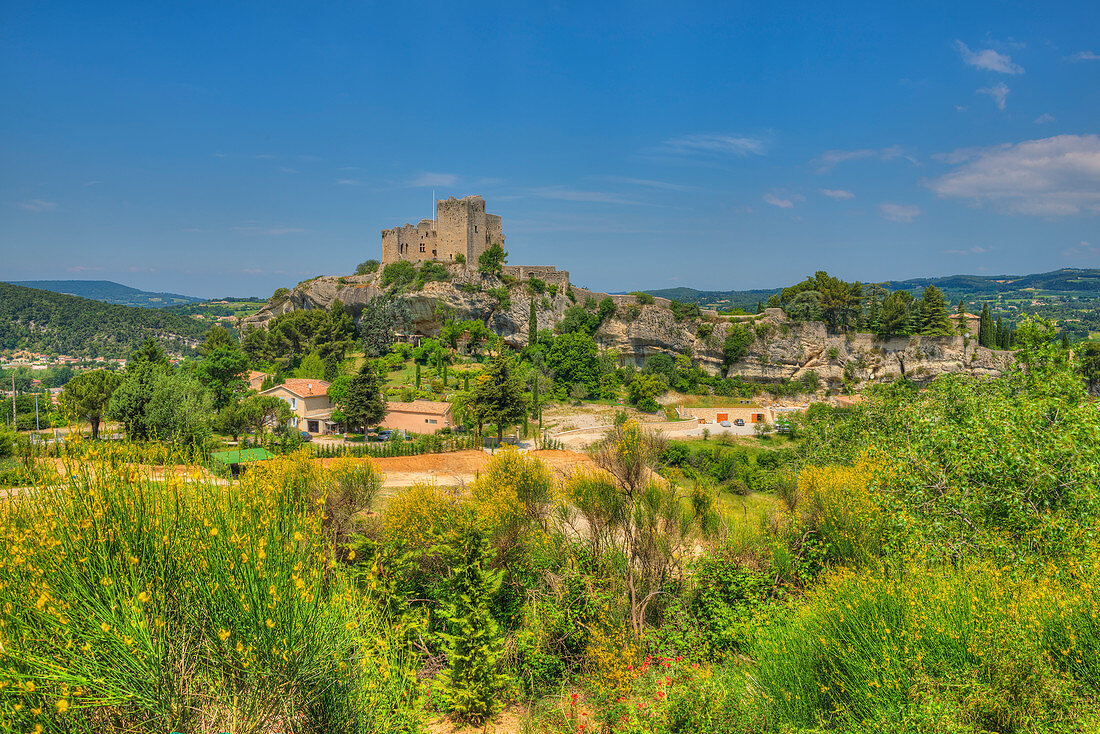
(456, 468)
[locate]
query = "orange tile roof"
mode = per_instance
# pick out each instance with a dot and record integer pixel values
(431, 407)
(304, 387)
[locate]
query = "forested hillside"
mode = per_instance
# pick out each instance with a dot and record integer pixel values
(52, 322)
(109, 292)
(1082, 281)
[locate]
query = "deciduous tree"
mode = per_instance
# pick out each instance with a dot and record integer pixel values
(88, 395)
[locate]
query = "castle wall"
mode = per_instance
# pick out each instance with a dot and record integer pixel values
(462, 227)
(546, 273)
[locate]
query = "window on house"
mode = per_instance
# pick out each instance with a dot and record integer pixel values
(433, 421)
(422, 247)
(294, 403)
(475, 229)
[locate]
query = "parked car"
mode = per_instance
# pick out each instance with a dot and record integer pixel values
(739, 422)
(305, 435)
(725, 424)
(382, 436)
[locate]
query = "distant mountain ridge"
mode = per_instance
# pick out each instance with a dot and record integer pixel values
(44, 321)
(109, 291)
(1065, 280)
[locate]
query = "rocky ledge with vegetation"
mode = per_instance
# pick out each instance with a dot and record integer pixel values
(769, 346)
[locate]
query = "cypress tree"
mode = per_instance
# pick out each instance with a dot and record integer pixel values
(418, 377)
(532, 325)
(1065, 339)
(963, 330)
(985, 327)
(999, 335)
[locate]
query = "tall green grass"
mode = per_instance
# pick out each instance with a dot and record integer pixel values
(128, 604)
(935, 649)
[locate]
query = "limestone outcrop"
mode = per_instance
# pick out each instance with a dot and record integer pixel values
(780, 350)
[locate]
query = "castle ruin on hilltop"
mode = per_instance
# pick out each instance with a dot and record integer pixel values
(461, 227)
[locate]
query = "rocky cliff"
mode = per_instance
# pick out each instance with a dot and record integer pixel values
(781, 349)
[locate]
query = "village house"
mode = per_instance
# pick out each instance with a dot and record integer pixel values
(309, 402)
(422, 416)
(715, 416)
(256, 379)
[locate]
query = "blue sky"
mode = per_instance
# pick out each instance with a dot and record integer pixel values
(232, 148)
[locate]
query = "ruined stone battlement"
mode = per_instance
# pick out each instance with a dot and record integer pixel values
(461, 227)
(546, 273)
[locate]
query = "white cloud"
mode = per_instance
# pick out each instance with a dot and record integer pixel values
(594, 197)
(288, 169)
(83, 269)
(1084, 56)
(265, 156)
(782, 200)
(1057, 176)
(139, 269)
(1044, 118)
(899, 212)
(975, 250)
(434, 179)
(707, 145)
(37, 205)
(999, 92)
(838, 194)
(1083, 248)
(647, 183)
(830, 158)
(988, 59)
(348, 182)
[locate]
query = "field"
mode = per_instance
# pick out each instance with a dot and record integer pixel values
(924, 562)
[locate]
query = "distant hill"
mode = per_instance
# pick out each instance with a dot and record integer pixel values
(43, 321)
(1082, 281)
(745, 300)
(1066, 280)
(109, 292)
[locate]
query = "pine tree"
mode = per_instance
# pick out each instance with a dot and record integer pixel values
(1065, 339)
(999, 334)
(417, 377)
(933, 313)
(912, 326)
(874, 317)
(498, 395)
(364, 405)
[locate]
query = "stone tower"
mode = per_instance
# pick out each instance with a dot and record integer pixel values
(461, 227)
